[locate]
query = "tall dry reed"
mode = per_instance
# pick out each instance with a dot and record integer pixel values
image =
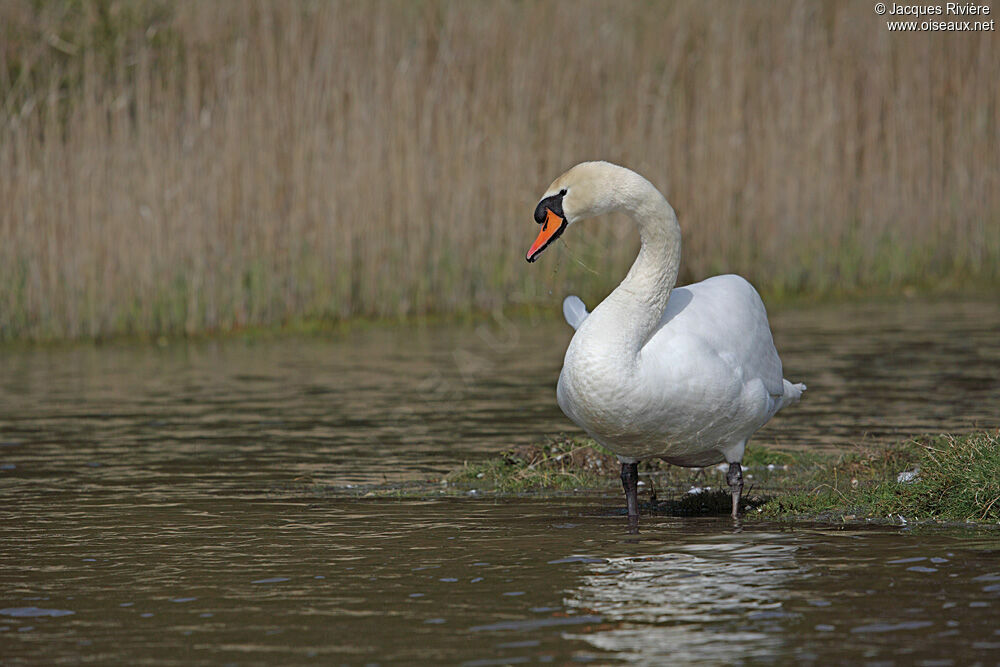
(177, 167)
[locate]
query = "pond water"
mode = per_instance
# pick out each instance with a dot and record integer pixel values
(146, 517)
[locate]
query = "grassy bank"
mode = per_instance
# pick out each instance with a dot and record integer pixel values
(946, 478)
(177, 167)
(955, 480)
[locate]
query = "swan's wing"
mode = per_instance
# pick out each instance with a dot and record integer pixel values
(758, 358)
(574, 311)
(725, 318)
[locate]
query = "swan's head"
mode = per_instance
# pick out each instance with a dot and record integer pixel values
(582, 192)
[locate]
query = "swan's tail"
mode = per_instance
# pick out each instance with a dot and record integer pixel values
(792, 394)
(575, 312)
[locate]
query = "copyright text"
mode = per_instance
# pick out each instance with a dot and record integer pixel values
(924, 18)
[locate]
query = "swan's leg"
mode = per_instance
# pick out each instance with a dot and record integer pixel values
(630, 481)
(735, 480)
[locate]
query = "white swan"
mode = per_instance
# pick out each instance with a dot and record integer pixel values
(685, 374)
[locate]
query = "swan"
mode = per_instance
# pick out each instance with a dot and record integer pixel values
(686, 374)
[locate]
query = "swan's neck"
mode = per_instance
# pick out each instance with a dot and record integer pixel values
(639, 301)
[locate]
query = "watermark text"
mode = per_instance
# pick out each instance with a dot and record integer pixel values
(942, 17)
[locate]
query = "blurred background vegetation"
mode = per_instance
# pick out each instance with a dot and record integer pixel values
(178, 167)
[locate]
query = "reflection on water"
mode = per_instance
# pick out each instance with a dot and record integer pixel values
(138, 523)
(696, 600)
(812, 596)
(474, 581)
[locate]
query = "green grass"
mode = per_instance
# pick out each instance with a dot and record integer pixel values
(957, 480)
(561, 463)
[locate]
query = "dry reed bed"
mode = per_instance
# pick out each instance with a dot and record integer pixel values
(181, 167)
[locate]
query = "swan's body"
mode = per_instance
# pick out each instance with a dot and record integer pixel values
(685, 374)
(705, 381)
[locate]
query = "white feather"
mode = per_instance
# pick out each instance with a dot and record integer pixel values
(574, 311)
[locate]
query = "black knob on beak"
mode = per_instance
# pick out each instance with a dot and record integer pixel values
(553, 203)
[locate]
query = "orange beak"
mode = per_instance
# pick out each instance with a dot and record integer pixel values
(551, 229)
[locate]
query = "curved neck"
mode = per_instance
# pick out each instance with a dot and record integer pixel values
(642, 296)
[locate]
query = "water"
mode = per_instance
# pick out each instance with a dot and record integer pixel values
(145, 514)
